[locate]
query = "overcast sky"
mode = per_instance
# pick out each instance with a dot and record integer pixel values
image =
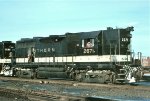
(29, 18)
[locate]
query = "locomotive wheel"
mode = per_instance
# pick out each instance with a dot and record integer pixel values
(79, 77)
(113, 78)
(18, 73)
(33, 76)
(72, 76)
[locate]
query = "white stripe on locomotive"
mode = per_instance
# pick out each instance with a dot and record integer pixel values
(90, 58)
(5, 60)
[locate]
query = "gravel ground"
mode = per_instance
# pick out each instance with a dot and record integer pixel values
(12, 95)
(70, 88)
(10, 99)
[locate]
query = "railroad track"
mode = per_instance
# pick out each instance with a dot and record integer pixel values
(21, 95)
(66, 90)
(37, 96)
(41, 95)
(62, 82)
(71, 83)
(42, 81)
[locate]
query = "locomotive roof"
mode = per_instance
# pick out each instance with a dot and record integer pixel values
(92, 34)
(29, 39)
(53, 38)
(6, 41)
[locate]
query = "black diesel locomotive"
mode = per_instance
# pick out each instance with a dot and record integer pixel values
(97, 56)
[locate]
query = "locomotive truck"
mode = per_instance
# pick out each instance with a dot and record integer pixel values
(98, 56)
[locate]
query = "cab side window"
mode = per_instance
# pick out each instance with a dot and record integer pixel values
(88, 43)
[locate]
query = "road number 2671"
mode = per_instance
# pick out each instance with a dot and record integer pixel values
(88, 51)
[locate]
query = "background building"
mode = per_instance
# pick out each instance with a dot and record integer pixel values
(146, 61)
